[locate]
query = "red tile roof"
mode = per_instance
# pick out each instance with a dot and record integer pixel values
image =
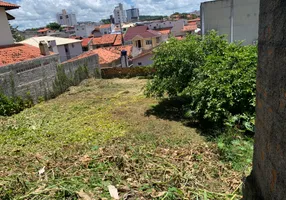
(43, 30)
(190, 27)
(118, 40)
(106, 55)
(164, 31)
(195, 20)
(133, 31)
(18, 53)
(86, 41)
(8, 6)
(108, 39)
(105, 26)
(141, 31)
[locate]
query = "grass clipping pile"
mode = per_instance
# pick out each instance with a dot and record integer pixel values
(150, 158)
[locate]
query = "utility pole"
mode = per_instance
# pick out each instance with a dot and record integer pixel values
(231, 21)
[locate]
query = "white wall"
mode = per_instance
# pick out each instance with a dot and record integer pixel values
(178, 26)
(144, 60)
(84, 30)
(74, 50)
(6, 37)
(217, 15)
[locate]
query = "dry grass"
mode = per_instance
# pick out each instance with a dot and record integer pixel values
(98, 134)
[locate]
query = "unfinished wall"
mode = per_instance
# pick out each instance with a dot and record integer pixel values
(268, 178)
(36, 78)
(217, 15)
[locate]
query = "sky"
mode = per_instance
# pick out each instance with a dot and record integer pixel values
(38, 13)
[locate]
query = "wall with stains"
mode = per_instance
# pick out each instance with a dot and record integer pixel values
(268, 178)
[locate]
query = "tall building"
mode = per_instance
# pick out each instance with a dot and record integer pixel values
(119, 14)
(132, 14)
(66, 19)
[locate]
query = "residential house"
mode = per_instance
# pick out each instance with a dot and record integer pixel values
(87, 44)
(84, 30)
(238, 19)
(165, 32)
(67, 48)
(143, 59)
(5, 32)
(96, 32)
(66, 19)
(107, 41)
(105, 28)
(192, 27)
(108, 56)
(44, 32)
(142, 38)
(11, 53)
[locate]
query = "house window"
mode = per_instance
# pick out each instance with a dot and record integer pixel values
(61, 17)
(148, 42)
(72, 45)
(139, 63)
(67, 16)
(158, 40)
(82, 28)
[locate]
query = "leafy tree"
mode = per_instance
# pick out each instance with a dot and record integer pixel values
(217, 78)
(106, 21)
(54, 26)
(16, 34)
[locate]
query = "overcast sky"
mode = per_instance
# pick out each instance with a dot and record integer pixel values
(37, 13)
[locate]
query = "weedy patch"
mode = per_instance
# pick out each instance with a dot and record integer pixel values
(95, 141)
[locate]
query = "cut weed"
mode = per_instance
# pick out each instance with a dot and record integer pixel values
(96, 135)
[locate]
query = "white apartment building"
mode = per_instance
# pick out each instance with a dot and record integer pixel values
(66, 19)
(119, 14)
(132, 15)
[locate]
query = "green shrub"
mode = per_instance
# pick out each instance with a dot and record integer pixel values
(13, 105)
(217, 78)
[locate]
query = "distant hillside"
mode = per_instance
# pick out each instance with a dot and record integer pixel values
(150, 17)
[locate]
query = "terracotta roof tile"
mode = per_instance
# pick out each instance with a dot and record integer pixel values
(164, 31)
(18, 53)
(105, 39)
(8, 6)
(85, 41)
(190, 27)
(43, 30)
(195, 20)
(105, 26)
(141, 31)
(118, 40)
(106, 55)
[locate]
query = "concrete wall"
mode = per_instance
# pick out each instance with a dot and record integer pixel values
(84, 30)
(217, 15)
(5, 32)
(268, 178)
(37, 76)
(144, 60)
(74, 49)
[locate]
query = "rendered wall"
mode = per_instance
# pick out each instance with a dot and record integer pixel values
(268, 178)
(217, 15)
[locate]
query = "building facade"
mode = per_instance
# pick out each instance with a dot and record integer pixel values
(238, 19)
(132, 15)
(66, 19)
(65, 47)
(84, 30)
(119, 14)
(5, 32)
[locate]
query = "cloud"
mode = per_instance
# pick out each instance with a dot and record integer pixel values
(37, 13)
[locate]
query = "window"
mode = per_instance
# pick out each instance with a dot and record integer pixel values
(72, 45)
(139, 63)
(61, 17)
(148, 42)
(82, 28)
(158, 40)
(67, 16)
